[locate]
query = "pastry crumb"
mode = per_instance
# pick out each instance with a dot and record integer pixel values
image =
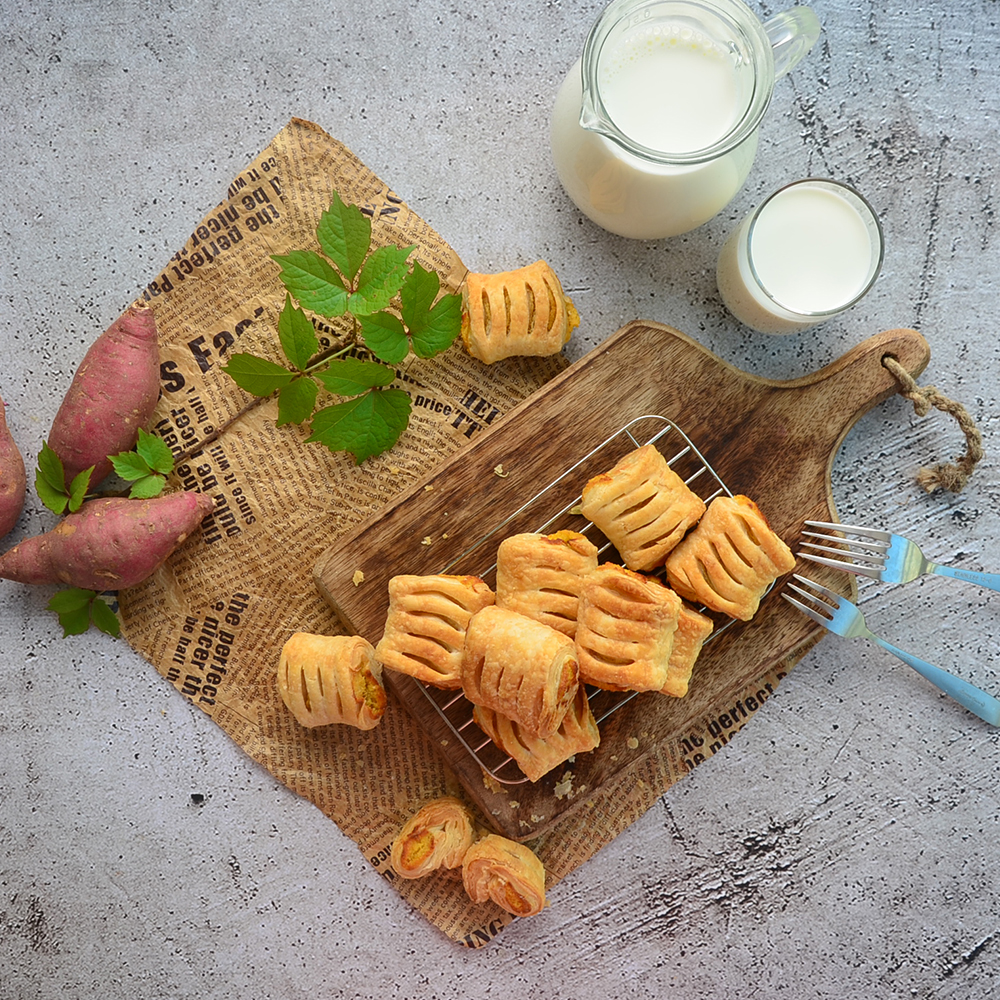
(358, 578)
(426, 540)
(564, 787)
(632, 743)
(576, 510)
(515, 805)
(394, 470)
(428, 488)
(498, 471)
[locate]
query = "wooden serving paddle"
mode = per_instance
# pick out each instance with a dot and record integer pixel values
(774, 441)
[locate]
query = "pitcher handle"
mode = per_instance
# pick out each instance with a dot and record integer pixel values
(792, 34)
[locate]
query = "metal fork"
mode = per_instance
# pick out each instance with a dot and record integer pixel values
(840, 616)
(883, 556)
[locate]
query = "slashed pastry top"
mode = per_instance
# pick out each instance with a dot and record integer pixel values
(436, 836)
(520, 668)
(324, 679)
(541, 575)
(516, 313)
(534, 755)
(509, 873)
(425, 625)
(643, 507)
(730, 559)
(626, 630)
(693, 628)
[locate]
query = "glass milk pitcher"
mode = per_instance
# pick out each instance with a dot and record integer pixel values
(654, 129)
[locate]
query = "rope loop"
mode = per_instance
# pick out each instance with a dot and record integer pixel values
(951, 476)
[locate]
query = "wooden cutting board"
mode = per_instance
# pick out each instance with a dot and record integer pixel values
(774, 441)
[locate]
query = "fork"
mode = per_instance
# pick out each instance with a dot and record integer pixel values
(883, 556)
(840, 616)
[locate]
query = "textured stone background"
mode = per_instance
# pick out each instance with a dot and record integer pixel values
(843, 846)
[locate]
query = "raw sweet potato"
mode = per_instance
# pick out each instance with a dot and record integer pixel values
(112, 395)
(107, 544)
(12, 478)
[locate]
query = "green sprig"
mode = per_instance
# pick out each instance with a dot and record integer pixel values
(394, 306)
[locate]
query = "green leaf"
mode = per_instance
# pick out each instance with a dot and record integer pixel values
(380, 279)
(54, 499)
(50, 469)
(297, 335)
(257, 376)
(351, 377)
(311, 279)
(104, 618)
(158, 456)
(75, 622)
(129, 465)
(78, 609)
(78, 489)
(345, 235)
(385, 337)
(71, 599)
(296, 401)
(433, 325)
(365, 426)
(147, 487)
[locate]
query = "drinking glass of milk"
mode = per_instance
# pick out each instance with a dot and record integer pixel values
(806, 253)
(655, 128)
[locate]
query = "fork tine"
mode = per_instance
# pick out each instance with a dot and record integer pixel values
(814, 615)
(882, 536)
(818, 601)
(876, 558)
(859, 544)
(870, 571)
(832, 595)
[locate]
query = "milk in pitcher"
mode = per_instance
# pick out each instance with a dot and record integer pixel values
(655, 128)
(675, 92)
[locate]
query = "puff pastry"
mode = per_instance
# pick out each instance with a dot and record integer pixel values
(577, 733)
(507, 872)
(425, 625)
(541, 575)
(693, 628)
(730, 559)
(643, 507)
(626, 630)
(520, 668)
(324, 679)
(436, 836)
(522, 312)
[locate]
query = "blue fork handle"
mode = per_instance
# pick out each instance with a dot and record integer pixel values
(979, 702)
(991, 581)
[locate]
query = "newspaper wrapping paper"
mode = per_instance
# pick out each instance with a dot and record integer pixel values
(213, 619)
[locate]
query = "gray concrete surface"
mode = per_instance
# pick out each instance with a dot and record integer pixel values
(844, 846)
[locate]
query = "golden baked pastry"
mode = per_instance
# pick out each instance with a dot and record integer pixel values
(324, 679)
(520, 668)
(626, 630)
(507, 872)
(512, 313)
(425, 625)
(436, 836)
(535, 756)
(643, 507)
(541, 575)
(693, 628)
(730, 559)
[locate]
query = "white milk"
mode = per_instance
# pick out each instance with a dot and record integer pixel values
(813, 252)
(671, 89)
(674, 91)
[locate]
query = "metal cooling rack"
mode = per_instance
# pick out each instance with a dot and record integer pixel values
(536, 515)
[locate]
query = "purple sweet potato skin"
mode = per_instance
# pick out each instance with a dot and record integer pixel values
(13, 480)
(108, 544)
(112, 395)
